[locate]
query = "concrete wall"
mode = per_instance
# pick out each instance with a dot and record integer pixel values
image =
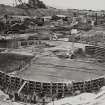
(11, 85)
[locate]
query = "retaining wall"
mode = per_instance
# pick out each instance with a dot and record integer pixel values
(34, 91)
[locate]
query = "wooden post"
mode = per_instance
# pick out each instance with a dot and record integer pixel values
(63, 90)
(57, 90)
(22, 87)
(51, 90)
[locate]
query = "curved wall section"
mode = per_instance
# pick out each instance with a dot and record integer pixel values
(35, 91)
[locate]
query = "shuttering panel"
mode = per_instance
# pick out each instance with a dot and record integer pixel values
(13, 83)
(38, 87)
(8, 81)
(101, 82)
(78, 86)
(1, 76)
(54, 88)
(88, 86)
(46, 88)
(67, 89)
(60, 87)
(3, 80)
(95, 84)
(60, 90)
(31, 86)
(17, 85)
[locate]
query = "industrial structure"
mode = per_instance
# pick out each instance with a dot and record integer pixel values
(42, 58)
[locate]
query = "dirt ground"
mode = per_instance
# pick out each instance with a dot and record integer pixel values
(49, 68)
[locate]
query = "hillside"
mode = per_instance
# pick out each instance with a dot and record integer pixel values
(32, 4)
(5, 9)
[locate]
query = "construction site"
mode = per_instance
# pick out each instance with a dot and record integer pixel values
(56, 59)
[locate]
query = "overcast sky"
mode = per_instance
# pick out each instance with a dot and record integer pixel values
(65, 4)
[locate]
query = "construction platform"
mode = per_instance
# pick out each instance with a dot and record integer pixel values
(47, 67)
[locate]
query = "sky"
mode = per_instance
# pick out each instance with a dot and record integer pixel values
(68, 4)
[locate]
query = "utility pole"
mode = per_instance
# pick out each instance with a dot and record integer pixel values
(52, 96)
